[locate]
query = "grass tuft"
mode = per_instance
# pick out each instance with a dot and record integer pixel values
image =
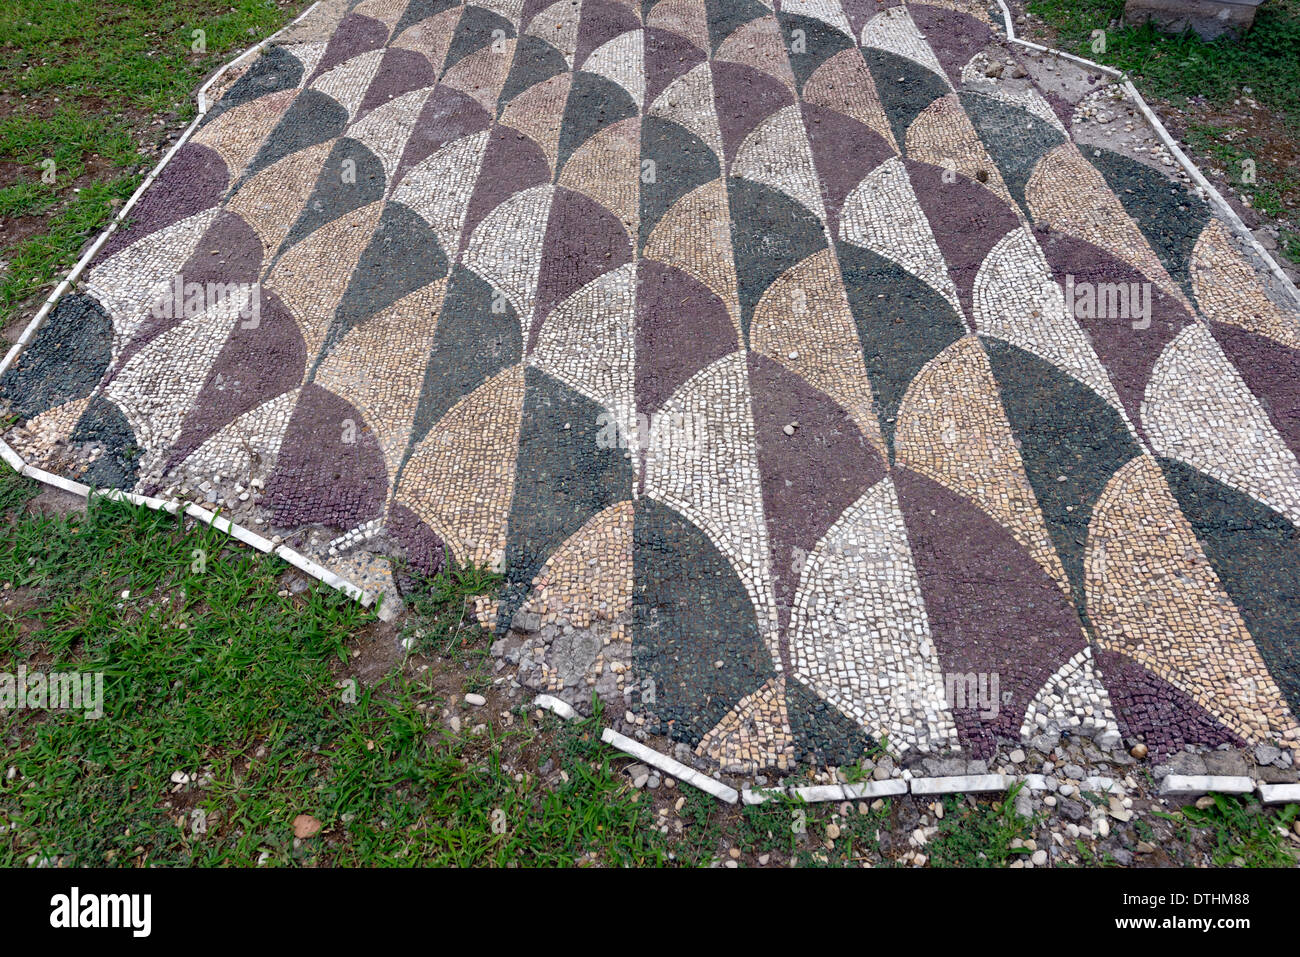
(84, 82)
(980, 835)
(1244, 832)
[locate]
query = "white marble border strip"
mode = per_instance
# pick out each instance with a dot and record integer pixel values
(863, 791)
(158, 504)
(12, 458)
(1187, 785)
(1094, 784)
(1011, 35)
(1220, 204)
(875, 789)
(670, 766)
(953, 784)
(202, 96)
(555, 706)
(1279, 793)
(244, 535)
(318, 571)
(1225, 210)
(962, 784)
(58, 481)
(199, 514)
(1101, 785)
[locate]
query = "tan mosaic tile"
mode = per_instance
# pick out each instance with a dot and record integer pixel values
(942, 135)
(1067, 193)
(386, 396)
(460, 479)
(694, 236)
(844, 83)
(312, 276)
(537, 113)
(827, 352)
(951, 427)
(754, 735)
(606, 167)
(1227, 289)
(1153, 595)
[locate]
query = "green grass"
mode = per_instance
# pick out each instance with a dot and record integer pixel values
(25, 198)
(442, 622)
(1231, 148)
(447, 801)
(1180, 67)
(979, 836)
(1244, 832)
(94, 76)
(128, 53)
(1290, 240)
(41, 259)
(211, 672)
(809, 835)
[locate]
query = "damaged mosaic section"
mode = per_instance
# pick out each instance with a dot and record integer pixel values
(815, 385)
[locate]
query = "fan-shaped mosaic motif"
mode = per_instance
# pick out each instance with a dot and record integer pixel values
(797, 377)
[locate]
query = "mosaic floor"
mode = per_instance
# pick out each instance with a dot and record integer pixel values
(810, 374)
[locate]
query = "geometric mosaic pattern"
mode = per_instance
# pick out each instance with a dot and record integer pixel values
(745, 338)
